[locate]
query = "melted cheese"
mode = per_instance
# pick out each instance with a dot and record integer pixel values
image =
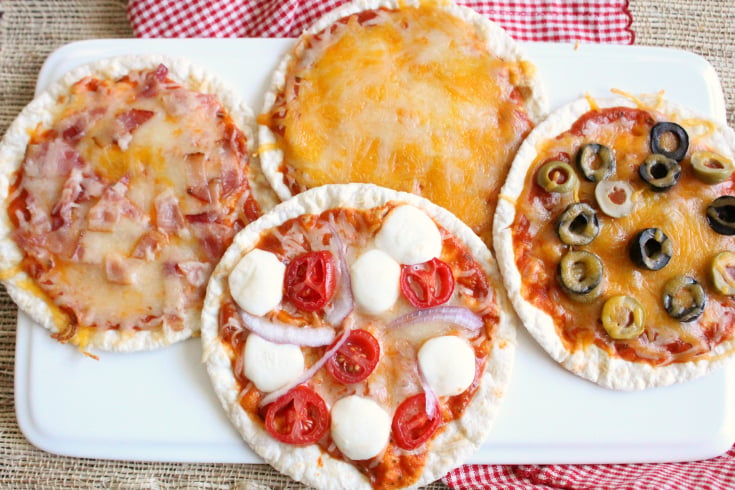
(375, 281)
(360, 427)
(91, 184)
(256, 282)
(413, 102)
(409, 236)
(271, 366)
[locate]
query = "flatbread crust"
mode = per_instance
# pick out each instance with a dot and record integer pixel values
(41, 112)
(310, 464)
(454, 165)
(594, 363)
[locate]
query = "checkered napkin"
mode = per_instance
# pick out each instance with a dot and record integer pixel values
(603, 21)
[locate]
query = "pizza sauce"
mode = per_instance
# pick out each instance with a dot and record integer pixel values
(644, 232)
(375, 364)
(123, 205)
(411, 99)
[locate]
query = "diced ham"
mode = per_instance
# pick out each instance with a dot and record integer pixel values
(72, 189)
(196, 273)
(196, 176)
(55, 158)
(168, 214)
(149, 245)
(152, 81)
(106, 213)
(213, 237)
(120, 269)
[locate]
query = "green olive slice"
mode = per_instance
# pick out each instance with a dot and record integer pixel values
(660, 171)
(623, 317)
(614, 197)
(578, 224)
(596, 161)
(684, 298)
(556, 176)
(580, 275)
(710, 167)
(723, 273)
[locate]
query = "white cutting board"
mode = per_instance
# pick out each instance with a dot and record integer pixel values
(158, 406)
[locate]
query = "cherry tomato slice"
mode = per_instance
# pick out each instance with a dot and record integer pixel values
(411, 425)
(427, 284)
(356, 359)
(310, 280)
(299, 417)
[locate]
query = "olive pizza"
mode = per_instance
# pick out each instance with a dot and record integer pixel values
(359, 337)
(614, 237)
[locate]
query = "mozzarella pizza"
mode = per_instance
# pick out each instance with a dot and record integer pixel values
(123, 184)
(358, 337)
(420, 96)
(614, 237)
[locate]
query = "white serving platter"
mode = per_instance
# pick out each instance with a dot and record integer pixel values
(158, 406)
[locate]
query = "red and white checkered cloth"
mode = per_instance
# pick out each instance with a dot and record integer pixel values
(603, 21)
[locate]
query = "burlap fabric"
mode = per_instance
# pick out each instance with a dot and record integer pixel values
(31, 29)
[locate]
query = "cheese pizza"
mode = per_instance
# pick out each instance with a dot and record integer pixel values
(123, 184)
(614, 237)
(420, 96)
(359, 337)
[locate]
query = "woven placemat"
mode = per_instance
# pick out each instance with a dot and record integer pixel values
(31, 29)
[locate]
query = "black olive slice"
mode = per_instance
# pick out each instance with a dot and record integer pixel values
(660, 171)
(662, 135)
(556, 176)
(721, 215)
(578, 224)
(580, 275)
(651, 249)
(596, 161)
(684, 298)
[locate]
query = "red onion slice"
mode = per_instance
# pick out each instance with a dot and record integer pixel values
(432, 401)
(343, 302)
(306, 376)
(456, 315)
(281, 333)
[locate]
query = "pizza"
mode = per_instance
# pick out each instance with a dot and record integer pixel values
(614, 238)
(359, 337)
(423, 97)
(122, 186)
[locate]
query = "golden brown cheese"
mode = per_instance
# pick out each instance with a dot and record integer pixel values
(679, 213)
(410, 99)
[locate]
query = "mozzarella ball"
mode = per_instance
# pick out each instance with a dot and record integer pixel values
(409, 235)
(271, 366)
(360, 427)
(448, 364)
(375, 279)
(256, 282)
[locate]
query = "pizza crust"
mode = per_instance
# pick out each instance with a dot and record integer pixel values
(309, 464)
(593, 363)
(497, 40)
(43, 110)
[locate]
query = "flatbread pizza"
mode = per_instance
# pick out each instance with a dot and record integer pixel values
(614, 238)
(419, 96)
(358, 337)
(122, 185)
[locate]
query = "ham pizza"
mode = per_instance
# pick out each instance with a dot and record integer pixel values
(614, 237)
(123, 184)
(420, 96)
(359, 337)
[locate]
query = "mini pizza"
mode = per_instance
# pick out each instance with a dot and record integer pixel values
(614, 238)
(123, 184)
(418, 96)
(358, 337)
